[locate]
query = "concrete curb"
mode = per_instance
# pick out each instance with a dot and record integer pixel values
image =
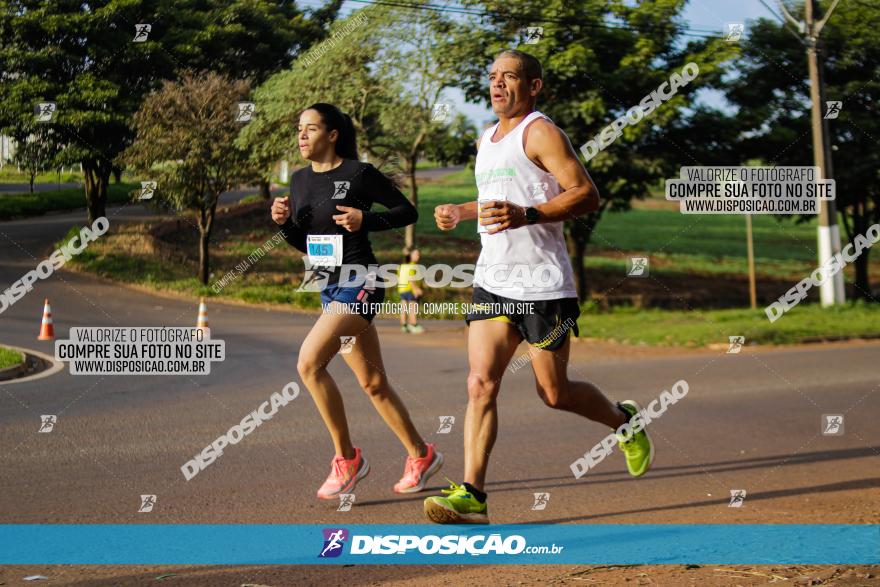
(15, 370)
(38, 364)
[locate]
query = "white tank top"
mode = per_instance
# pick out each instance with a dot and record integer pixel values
(536, 258)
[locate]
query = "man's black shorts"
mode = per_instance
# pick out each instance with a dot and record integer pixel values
(544, 324)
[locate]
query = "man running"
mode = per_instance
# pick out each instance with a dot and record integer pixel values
(529, 181)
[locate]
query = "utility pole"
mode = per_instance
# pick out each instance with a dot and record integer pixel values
(832, 291)
(753, 292)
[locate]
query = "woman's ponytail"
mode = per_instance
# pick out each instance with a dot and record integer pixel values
(346, 145)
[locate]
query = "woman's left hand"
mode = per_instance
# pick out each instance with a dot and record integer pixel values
(350, 219)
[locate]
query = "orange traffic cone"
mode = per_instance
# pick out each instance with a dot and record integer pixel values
(202, 323)
(47, 329)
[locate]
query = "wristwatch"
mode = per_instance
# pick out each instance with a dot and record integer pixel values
(532, 215)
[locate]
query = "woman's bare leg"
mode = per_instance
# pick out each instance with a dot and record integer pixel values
(365, 360)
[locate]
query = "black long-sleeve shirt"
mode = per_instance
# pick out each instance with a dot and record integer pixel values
(314, 197)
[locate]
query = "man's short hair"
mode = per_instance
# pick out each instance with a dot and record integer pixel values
(529, 64)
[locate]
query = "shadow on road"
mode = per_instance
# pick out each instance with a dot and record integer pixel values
(539, 483)
(870, 483)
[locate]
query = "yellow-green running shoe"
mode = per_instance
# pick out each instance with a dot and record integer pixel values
(458, 507)
(639, 450)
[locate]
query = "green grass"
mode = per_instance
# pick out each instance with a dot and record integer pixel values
(664, 264)
(706, 235)
(455, 188)
(18, 205)
(805, 322)
(9, 174)
(162, 276)
(9, 358)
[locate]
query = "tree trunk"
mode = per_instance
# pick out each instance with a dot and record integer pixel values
(204, 260)
(117, 175)
(862, 289)
(410, 233)
(33, 176)
(206, 224)
(579, 238)
(580, 249)
(103, 183)
(581, 230)
(95, 180)
(265, 193)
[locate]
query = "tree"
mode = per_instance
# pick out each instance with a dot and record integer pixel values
(395, 69)
(246, 39)
(600, 58)
(772, 97)
(416, 64)
(346, 51)
(452, 144)
(185, 143)
(84, 57)
(79, 57)
(35, 151)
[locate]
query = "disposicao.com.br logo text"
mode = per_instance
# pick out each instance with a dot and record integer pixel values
(475, 545)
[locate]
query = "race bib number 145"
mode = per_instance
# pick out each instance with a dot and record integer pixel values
(325, 250)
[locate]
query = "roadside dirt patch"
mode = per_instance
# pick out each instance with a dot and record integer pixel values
(430, 576)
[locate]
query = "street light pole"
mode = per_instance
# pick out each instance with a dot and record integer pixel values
(831, 291)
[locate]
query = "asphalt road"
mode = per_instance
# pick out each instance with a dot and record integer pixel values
(750, 421)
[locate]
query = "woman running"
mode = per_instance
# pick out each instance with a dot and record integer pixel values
(331, 218)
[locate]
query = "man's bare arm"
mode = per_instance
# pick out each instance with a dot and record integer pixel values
(468, 210)
(448, 216)
(550, 147)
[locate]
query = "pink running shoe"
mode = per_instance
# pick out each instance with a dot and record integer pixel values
(419, 470)
(344, 475)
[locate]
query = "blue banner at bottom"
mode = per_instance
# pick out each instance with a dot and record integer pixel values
(159, 544)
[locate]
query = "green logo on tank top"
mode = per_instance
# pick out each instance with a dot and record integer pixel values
(498, 172)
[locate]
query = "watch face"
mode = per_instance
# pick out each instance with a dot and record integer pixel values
(531, 215)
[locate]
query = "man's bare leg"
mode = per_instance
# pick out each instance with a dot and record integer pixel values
(491, 345)
(561, 393)
(585, 399)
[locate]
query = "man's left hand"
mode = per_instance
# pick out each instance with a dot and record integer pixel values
(504, 215)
